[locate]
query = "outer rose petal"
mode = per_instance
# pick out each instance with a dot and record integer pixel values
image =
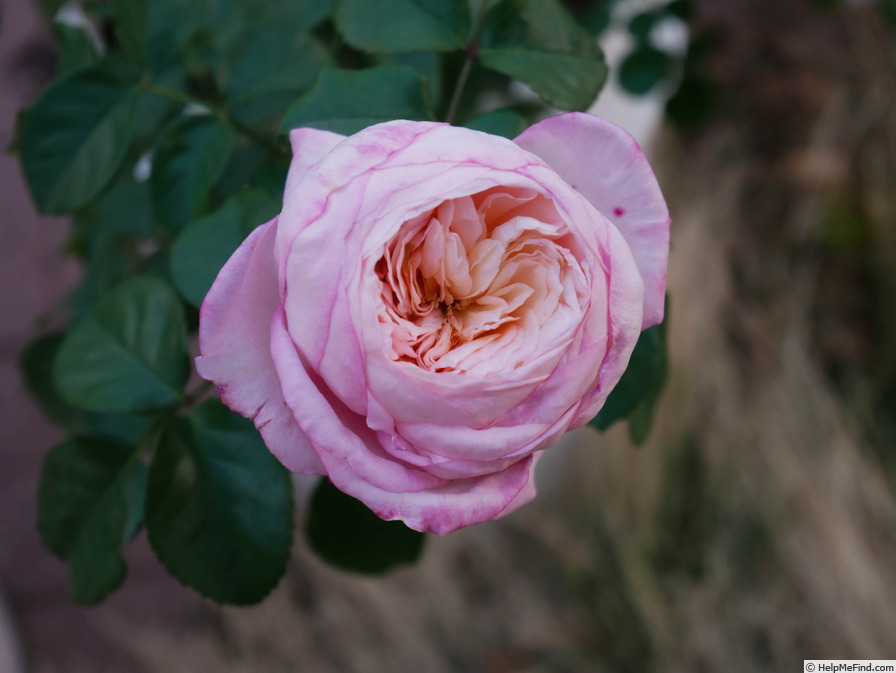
(458, 504)
(308, 147)
(234, 339)
(607, 166)
(625, 319)
(331, 426)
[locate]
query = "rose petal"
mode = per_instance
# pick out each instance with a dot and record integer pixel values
(234, 339)
(527, 493)
(623, 328)
(443, 510)
(308, 147)
(334, 430)
(607, 166)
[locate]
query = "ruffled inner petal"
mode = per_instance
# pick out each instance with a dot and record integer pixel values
(480, 282)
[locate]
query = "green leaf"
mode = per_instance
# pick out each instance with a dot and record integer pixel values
(888, 8)
(152, 32)
(108, 264)
(635, 384)
(250, 167)
(641, 419)
(202, 248)
(36, 364)
(234, 20)
(692, 104)
(75, 48)
(540, 44)
(595, 18)
(260, 78)
(265, 76)
(125, 208)
(90, 505)
(155, 112)
(346, 101)
(49, 7)
(346, 534)
(643, 69)
(219, 508)
(187, 162)
(112, 235)
(428, 64)
(506, 123)
(129, 353)
(75, 137)
(404, 25)
(642, 24)
(680, 9)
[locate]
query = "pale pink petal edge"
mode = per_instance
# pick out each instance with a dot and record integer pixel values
(606, 165)
(234, 342)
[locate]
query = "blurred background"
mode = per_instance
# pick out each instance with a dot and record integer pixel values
(757, 525)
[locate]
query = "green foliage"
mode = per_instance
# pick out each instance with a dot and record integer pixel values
(36, 364)
(259, 78)
(188, 160)
(427, 64)
(75, 48)
(888, 8)
(640, 421)
(346, 101)
(681, 9)
(219, 508)
(233, 20)
(90, 505)
(648, 65)
(265, 76)
(506, 123)
(641, 25)
(113, 236)
(539, 43)
(49, 7)
(696, 96)
(404, 25)
(153, 32)
(595, 16)
(129, 353)
(643, 69)
(75, 137)
(692, 103)
(202, 248)
(348, 535)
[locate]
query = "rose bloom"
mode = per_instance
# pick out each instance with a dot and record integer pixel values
(435, 306)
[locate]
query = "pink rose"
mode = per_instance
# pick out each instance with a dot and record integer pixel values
(435, 306)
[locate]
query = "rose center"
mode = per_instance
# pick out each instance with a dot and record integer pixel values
(473, 283)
